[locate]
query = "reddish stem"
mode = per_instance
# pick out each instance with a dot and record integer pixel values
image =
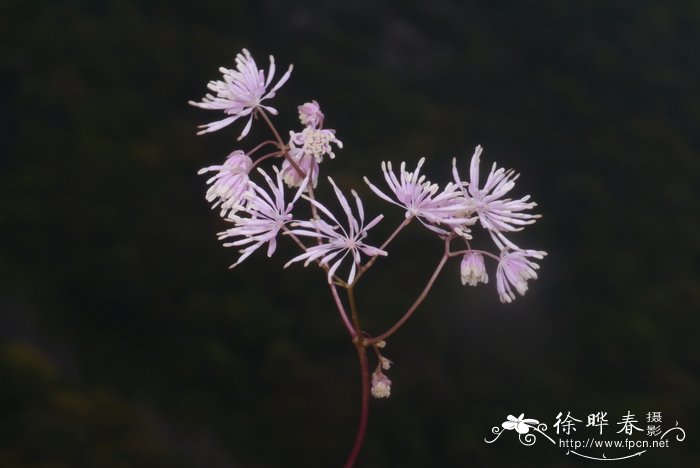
(264, 157)
(364, 373)
(341, 310)
(418, 301)
(266, 142)
(281, 143)
(364, 409)
(371, 261)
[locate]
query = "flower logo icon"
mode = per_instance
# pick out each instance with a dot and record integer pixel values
(522, 426)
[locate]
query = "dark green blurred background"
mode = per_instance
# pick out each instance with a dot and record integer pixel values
(126, 342)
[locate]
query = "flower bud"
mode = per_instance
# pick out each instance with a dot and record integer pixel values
(381, 385)
(473, 269)
(310, 114)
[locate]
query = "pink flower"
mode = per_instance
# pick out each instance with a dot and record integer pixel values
(230, 182)
(472, 269)
(337, 242)
(495, 213)
(241, 92)
(381, 385)
(267, 215)
(514, 269)
(423, 199)
(310, 115)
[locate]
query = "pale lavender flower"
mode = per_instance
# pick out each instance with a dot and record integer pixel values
(381, 385)
(241, 92)
(310, 114)
(308, 164)
(424, 200)
(337, 242)
(472, 269)
(515, 269)
(230, 182)
(496, 214)
(267, 213)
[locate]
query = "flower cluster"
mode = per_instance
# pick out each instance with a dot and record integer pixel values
(261, 204)
(260, 213)
(453, 210)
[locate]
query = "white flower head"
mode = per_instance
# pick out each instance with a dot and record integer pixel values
(306, 149)
(240, 92)
(314, 142)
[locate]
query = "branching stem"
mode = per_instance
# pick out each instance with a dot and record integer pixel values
(417, 302)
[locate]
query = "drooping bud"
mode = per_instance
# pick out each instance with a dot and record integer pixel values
(473, 269)
(385, 363)
(381, 385)
(310, 114)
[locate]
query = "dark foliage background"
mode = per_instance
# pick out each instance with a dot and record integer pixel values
(125, 341)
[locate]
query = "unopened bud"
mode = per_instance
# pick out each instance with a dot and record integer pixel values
(381, 385)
